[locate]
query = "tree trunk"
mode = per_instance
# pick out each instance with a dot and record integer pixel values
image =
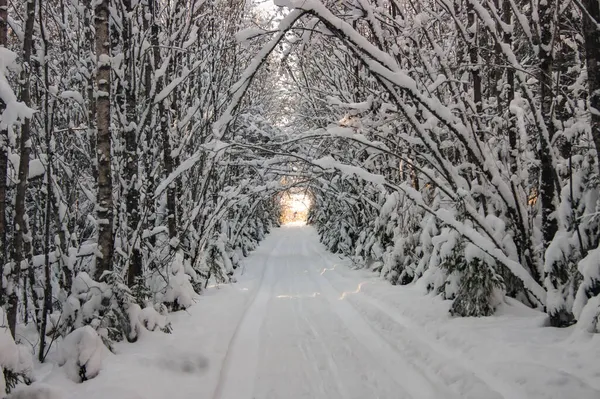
(522, 237)
(131, 161)
(20, 221)
(47, 308)
(3, 154)
(164, 133)
(510, 95)
(89, 57)
(475, 67)
(555, 272)
(477, 90)
(104, 206)
(149, 128)
(591, 33)
(546, 64)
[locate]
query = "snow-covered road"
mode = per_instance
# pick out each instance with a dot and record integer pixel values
(313, 331)
(301, 324)
(301, 338)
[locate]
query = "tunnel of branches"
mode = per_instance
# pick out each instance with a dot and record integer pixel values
(450, 144)
(414, 164)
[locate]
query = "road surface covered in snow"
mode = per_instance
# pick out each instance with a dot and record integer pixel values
(301, 324)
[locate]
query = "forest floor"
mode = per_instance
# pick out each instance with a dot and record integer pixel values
(299, 323)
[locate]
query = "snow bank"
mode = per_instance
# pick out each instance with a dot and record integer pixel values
(587, 307)
(36, 391)
(13, 357)
(82, 353)
(179, 293)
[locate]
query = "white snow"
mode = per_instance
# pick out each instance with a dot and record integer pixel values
(179, 288)
(192, 38)
(184, 166)
(248, 34)
(36, 168)
(14, 110)
(349, 170)
(74, 95)
(82, 353)
(301, 324)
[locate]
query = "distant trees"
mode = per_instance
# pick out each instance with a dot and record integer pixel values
(144, 144)
(481, 118)
(115, 194)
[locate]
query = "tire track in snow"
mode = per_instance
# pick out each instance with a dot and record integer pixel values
(418, 333)
(313, 330)
(416, 384)
(506, 390)
(238, 370)
(499, 387)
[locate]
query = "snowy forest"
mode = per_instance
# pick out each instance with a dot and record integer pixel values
(146, 147)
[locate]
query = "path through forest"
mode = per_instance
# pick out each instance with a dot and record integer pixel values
(301, 324)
